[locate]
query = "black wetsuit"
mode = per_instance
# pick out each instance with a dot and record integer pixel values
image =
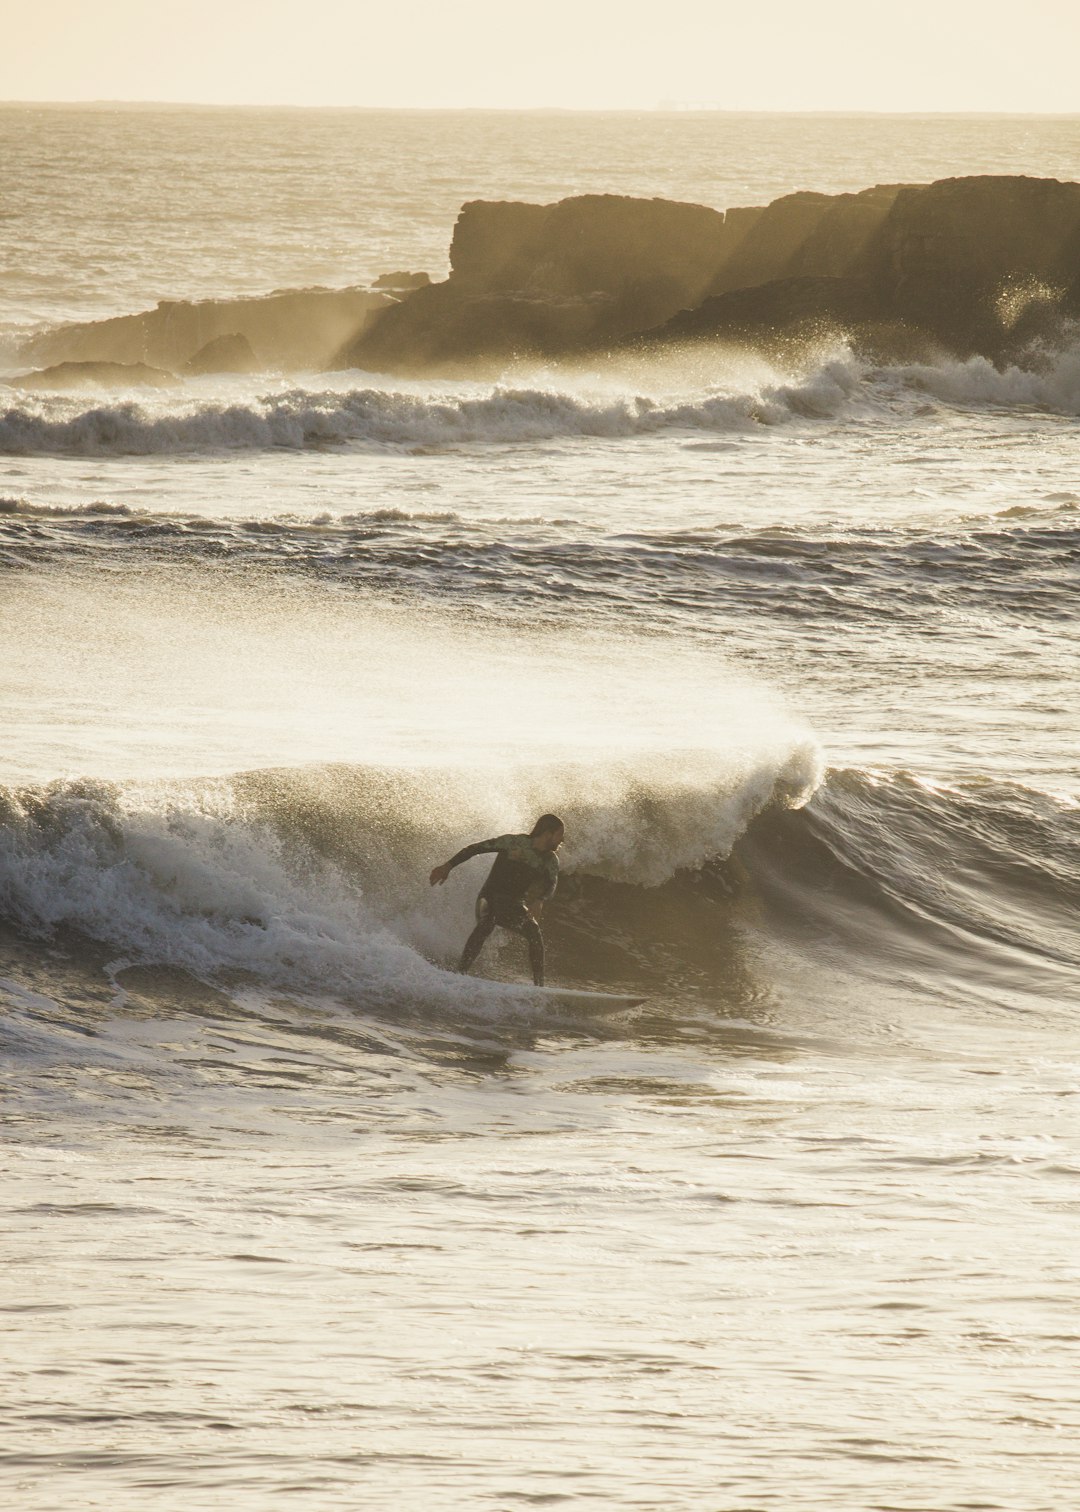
(519, 871)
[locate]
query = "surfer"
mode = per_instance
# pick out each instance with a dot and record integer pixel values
(524, 877)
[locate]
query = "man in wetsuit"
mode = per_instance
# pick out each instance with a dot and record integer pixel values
(526, 868)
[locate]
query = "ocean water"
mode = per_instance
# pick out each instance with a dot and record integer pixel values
(293, 1213)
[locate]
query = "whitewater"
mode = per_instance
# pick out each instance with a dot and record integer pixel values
(294, 1211)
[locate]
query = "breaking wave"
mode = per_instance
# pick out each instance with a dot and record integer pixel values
(377, 418)
(315, 879)
(380, 418)
(302, 419)
(1049, 382)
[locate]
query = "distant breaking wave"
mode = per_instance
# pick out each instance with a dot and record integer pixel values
(302, 419)
(378, 418)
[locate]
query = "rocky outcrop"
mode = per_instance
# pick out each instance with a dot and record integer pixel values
(225, 354)
(982, 264)
(549, 279)
(75, 375)
(987, 264)
(442, 328)
(969, 258)
(803, 235)
(295, 330)
(781, 305)
(593, 243)
(552, 279)
(790, 315)
(401, 283)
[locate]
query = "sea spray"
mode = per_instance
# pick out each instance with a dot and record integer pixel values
(317, 878)
(380, 418)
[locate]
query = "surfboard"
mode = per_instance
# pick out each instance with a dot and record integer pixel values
(587, 1002)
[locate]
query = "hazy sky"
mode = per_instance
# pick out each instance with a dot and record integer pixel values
(778, 55)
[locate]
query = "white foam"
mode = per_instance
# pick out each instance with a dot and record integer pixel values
(300, 418)
(1051, 383)
(641, 820)
(214, 877)
(179, 880)
(311, 873)
(526, 408)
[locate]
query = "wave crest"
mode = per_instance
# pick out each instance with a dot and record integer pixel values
(371, 417)
(950, 878)
(1050, 381)
(303, 419)
(315, 879)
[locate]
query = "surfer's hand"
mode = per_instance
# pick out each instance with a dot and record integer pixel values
(439, 874)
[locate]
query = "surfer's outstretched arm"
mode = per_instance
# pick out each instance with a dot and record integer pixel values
(439, 874)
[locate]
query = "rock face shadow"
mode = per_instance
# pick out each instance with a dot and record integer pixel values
(984, 265)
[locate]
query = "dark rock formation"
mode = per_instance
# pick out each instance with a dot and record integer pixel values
(792, 314)
(985, 265)
(297, 329)
(441, 327)
(225, 354)
(399, 283)
(964, 257)
(974, 265)
(540, 279)
(801, 236)
(970, 265)
(769, 243)
(819, 303)
(72, 375)
(594, 243)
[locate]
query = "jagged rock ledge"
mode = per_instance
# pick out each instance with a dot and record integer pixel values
(984, 264)
(74, 375)
(294, 329)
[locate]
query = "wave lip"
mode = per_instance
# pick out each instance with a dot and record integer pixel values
(973, 882)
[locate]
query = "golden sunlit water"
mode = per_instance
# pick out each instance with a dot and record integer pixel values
(296, 1214)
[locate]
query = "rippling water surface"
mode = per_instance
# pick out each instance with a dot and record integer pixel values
(292, 1211)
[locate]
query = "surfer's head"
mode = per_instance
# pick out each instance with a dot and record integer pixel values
(547, 833)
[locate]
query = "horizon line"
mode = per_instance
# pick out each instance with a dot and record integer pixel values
(664, 108)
